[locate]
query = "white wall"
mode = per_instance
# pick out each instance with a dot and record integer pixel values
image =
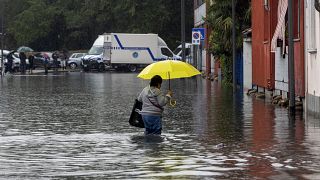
(247, 64)
(313, 57)
(281, 71)
(203, 64)
(199, 14)
(312, 34)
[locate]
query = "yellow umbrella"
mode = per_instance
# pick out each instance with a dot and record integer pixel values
(168, 69)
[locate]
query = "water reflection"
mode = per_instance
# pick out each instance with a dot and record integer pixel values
(75, 125)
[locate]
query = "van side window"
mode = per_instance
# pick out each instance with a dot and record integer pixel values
(188, 51)
(79, 55)
(166, 52)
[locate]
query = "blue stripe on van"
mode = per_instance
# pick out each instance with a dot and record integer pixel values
(138, 48)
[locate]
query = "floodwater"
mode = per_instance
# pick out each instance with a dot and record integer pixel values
(75, 126)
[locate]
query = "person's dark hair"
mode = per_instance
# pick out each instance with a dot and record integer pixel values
(155, 80)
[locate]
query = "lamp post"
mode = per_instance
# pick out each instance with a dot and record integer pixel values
(183, 31)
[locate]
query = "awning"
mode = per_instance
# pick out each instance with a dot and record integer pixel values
(281, 26)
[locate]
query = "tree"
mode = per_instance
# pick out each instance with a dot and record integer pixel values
(220, 20)
(75, 24)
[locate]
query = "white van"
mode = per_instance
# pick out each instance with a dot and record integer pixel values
(178, 51)
(124, 50)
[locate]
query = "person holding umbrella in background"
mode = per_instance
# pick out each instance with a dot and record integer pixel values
(10, 62)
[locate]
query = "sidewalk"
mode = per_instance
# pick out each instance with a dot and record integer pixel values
(42, 71)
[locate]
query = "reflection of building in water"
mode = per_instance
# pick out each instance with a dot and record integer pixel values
(218, 115)
(312, 141)
(262, 138)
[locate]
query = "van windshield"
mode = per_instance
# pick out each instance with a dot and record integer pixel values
(177, 50)
(95, 50)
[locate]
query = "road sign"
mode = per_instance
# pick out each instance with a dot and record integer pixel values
(196, 37)
(202, 32)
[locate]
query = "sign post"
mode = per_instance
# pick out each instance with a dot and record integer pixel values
(198, 37)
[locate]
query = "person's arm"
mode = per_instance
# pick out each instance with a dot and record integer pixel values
(162, 98)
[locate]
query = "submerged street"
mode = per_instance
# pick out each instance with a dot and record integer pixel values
(75, 125)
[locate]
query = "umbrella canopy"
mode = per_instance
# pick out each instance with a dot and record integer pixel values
(168, 69)
(24, 49)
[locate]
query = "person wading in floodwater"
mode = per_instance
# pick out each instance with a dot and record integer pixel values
(153, 101)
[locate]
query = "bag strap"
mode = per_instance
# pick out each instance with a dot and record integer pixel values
(156, 105)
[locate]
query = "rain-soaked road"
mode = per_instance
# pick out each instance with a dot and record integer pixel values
(75, 126)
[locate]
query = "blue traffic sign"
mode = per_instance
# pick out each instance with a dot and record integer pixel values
(202, 32)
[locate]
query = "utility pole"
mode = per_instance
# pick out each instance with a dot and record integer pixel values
(183, 31)
(234, 45)
(291, 58)
(2, 38)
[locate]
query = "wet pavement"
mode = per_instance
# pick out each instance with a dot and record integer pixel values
(75, 126)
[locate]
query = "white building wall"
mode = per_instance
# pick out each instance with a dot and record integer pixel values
(312, 57)
(281, 71)
(199, 14)
(247, 63)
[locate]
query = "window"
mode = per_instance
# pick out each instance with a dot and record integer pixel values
(317, 5)
(166, 52)
(188, 52)
(95, 50)
(296, 18)
(79, 55)
(199, 3)
(311, 26)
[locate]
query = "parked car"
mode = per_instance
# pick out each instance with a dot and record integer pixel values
(5, 53)
(75, 60)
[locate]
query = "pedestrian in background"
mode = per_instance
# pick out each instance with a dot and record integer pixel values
(55, 61)
(153, 101)
(46, 63)
(64, 59)
(9, 62)
(23, 63)
(31, 59)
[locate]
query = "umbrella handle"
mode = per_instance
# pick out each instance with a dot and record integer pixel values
(173, 103)
(169, 80)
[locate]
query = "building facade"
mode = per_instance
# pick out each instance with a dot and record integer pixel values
(312, 55)
(270, 65)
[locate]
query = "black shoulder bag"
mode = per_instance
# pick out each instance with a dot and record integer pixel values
(136, 118)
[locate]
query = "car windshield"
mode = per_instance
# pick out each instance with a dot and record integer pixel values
(95, 50)
(177, 50)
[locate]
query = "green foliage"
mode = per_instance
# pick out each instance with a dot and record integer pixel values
(226, 65)
(75, 24)
(220, 20)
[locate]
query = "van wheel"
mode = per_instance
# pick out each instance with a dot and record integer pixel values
(132, 68)
(101, 67)
(73, 65)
